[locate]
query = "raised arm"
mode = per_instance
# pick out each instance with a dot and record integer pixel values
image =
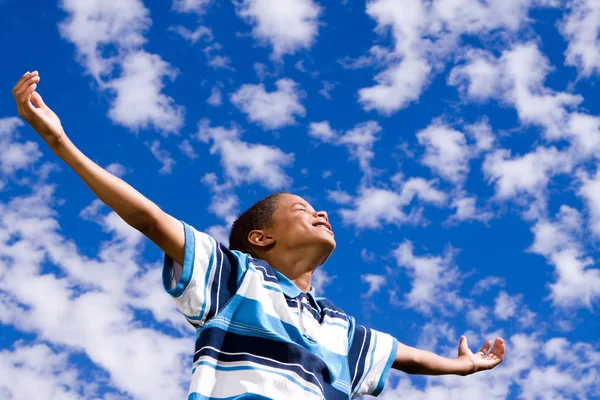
(135, 209)
(415, 361)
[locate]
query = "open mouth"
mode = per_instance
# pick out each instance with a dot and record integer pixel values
(324, 225)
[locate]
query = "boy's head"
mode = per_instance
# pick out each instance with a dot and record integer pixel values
(282, 223)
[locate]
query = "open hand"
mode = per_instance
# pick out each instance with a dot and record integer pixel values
(32, 109)
(483, 359)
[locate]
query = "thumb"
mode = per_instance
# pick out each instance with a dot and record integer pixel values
(463, 346)
(37, 100)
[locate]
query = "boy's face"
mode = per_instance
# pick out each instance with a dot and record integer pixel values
(295, 224)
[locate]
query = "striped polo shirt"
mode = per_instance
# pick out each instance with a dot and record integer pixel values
(258, 336)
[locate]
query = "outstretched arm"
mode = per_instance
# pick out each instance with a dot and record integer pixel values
(135, 209)
(415, 361)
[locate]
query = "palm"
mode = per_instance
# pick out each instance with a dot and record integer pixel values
(484, 358)
(45, 122)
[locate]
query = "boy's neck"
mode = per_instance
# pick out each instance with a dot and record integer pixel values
(296, 267)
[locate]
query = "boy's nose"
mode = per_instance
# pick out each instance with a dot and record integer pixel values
(322, 214)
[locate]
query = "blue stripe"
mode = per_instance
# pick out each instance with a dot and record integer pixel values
(188, 265)
(244, 396)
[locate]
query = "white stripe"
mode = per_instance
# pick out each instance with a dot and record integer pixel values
(267, 382)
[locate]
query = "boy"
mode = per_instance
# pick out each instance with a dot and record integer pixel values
(260, 331)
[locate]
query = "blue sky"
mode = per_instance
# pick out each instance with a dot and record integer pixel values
(454, 144)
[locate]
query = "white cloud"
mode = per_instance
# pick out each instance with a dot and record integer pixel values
(434, 279)
(375, 282)
(373, 207)
(517, 77)
(28, 371)
(424, 34)
(85, 304)
(359, 140)
(577, 281)
(320, 280)
(506, 305)
(322, 131)
(15, 155)
(590, 191)
(142, 78)
(581, 27)
(224, 203)
(187, 149)
(466, 210)
(325, 91)
(527, 174)
(195, 35)
(94, 27)
(216, 97)
(191, 6)
(286, 26)
(260, 163)
(271, 110)
(446, 152)
(117, 169)
(163, 156)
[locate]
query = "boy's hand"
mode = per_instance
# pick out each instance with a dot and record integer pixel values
(481, 360)
(32, 109)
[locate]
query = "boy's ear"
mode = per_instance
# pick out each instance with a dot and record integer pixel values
(260, 238)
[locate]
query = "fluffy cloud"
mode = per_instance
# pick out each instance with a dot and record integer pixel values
(581, 27)
(87, 305)
(271, 110)
(517, 77)
(286, 26)
(373, 207)
(95, 27)
(446, 152)
(321, 279)
(191, 6)
(259, 164)
(50, 370)
(163, 156)
(434, 279)
(527, 174)
(559, 241)
(359, 140)
(423, 35)
(14, 155)
(375, 282)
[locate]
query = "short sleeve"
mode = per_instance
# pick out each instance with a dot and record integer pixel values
(209, 277)
(370, 357)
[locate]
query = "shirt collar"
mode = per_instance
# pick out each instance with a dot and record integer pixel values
(291, 290)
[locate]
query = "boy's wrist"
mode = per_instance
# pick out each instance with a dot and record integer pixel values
(464, 365)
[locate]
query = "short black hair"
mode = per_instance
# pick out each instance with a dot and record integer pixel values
(258, 216)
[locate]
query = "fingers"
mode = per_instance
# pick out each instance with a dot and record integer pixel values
(485, 348)
(22, 82)
(23, 91)
(498, 349)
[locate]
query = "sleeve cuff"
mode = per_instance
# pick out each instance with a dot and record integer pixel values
(386, 369)
(188, 265)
